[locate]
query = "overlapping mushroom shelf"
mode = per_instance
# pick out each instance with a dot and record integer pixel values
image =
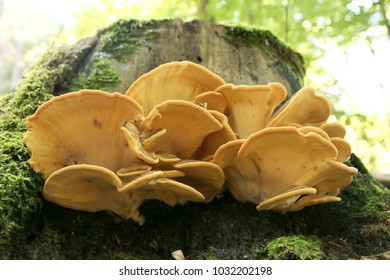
(179, 134)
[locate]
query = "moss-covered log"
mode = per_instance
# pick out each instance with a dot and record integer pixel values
(31, 228)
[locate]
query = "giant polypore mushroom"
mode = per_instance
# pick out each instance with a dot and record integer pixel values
(304, 108)
(250, 107)
(89, 188)
(276, 166)
(173, 81)
(185, 126)
(81, 127)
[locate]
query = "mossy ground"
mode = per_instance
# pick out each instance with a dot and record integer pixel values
(32, 228)
(294, 247)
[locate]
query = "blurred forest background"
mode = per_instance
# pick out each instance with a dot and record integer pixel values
(345, 44)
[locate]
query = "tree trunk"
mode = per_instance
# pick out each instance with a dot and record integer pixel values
(223, 229)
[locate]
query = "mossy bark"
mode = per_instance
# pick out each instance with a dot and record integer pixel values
(31, 228)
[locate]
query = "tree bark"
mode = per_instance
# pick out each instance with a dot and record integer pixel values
(356, 228)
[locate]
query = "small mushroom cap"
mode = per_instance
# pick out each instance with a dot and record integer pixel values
(242, 176)
(334, 129)
(338, 175)
(212, 100)
(147, 177)
(81, 128)
(214, 140)
(284, 200)
(307, 129)
(166, 190)
(337, 132)
(172, 81)
(186, 126)
(132, 135)
(343, 147)
(250, 107)
(206, 177)
(136, 168)
(305, 108)
(312, 199)
(89, 188)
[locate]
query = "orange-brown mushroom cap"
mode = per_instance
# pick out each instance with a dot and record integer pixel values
(173, 81)
(250, 107)
(206, 177)
(312, 199)
(267, 167)
(304, 108)
(186, 126)
(81, 128)
(334, 129)
(89, 188)
(212, 100)
(283, 201)
(215, 139)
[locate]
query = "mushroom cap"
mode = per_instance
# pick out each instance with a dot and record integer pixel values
(312, 199)
(136, 168)
(145, 178)
(334, 129)
(250, 107)
(277, 165)
(287, 157)
(284, 200)
(132, 135)
(242, 176)
(81, 127)
(343, 147)
(89, 188)
(171, 81)
(206, 177)
(186, 126)
(164, 189)
(212, 100)
(304, 108)
(214, 140)
(338, 175)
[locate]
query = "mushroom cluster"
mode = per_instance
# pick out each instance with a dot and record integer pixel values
(179, 134)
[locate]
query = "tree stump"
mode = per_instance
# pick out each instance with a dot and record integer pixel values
(31, 228)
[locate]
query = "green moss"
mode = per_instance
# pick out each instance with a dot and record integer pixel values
(20, 188)
(98, 75)
(125, 36)
(32, 91)
(294, 247)
(366, 189)
(270, 44)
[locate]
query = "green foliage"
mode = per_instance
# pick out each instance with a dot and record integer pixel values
(295, 247)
